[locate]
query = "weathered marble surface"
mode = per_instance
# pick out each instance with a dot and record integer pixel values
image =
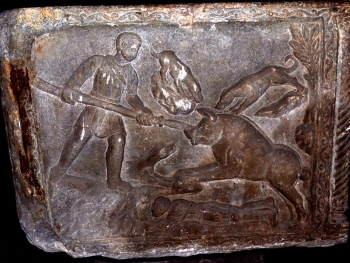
(178, 130)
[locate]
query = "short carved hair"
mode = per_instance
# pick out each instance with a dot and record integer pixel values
(128, 37)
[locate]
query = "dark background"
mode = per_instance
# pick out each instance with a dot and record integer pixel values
(14, 246)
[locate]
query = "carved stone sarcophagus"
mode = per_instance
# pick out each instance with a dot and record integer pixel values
(152, 131)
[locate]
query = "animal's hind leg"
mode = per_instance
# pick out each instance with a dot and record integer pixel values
(295, 82)
(240, 106)
(307, 184)
(294, 197)
(227, 97)
(194, 90)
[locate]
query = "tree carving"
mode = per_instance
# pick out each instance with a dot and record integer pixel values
(306, 44)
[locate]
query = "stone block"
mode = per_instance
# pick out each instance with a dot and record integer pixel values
(152, 131)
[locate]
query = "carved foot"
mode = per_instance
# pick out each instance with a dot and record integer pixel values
(56, 173)
(273, 219)
(304, 217)
(119, 185)
(155, 155)
(180, 188)
(301, 221)
(302, 213)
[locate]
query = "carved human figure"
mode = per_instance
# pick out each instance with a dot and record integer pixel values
(169, 213)
(113, 77)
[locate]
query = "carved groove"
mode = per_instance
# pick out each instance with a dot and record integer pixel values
(342, 167)
(30, 166)
(325, 120)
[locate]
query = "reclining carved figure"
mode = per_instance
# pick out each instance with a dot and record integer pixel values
(243, 151)
(169, 213)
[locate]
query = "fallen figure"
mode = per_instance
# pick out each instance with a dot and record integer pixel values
(168, 213)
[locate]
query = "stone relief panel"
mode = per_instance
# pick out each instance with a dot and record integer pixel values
(135, 124)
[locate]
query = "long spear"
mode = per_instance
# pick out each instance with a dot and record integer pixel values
(106, 104)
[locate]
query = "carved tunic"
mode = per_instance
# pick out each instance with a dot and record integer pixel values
(111, 80)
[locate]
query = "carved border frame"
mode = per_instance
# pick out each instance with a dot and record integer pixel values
(333, 150)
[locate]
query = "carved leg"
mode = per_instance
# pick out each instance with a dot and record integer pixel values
(294, 197)
(234, 98)
(295, 82)
(73, 146)
(264, 208)
(203, 173)
(241, 106)
(226, 100)
(307, 187)
(188, 180)
(207, 173)
(194, 89)
(145, 167)
(196, 92)
(286, 79)
(114, 160)
(268, 203)
(155, 155)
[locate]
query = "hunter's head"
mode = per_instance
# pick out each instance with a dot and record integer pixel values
(128, 45)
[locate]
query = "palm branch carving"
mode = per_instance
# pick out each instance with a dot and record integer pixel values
(306, 46)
